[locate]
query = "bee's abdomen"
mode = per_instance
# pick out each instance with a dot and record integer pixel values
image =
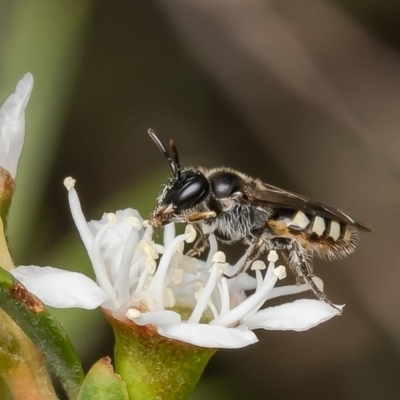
(324, 236)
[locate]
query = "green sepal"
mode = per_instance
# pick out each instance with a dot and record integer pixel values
(102, 383)
(155, 367)
(44, 330)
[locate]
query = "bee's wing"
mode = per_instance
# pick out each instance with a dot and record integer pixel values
(275, 197)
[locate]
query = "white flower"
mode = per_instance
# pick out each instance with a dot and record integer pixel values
(185, 299)
(12, 125)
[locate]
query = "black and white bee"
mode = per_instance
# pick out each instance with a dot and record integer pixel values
(236, 207)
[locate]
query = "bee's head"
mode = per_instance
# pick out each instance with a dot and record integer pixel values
(184, 191)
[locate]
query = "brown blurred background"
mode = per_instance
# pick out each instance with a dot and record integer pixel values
(304, 95)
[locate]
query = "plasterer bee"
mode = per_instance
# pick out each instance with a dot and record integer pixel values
(237, 207)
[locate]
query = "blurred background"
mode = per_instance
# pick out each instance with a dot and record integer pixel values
(304, 95)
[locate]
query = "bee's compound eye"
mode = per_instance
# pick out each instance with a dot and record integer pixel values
(224, 184)
(193, 191)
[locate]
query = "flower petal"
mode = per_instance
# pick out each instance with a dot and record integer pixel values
(59, 288)
(300, 315)
(204, 335)
(12, 124)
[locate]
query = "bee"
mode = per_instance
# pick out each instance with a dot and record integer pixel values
(236, 207)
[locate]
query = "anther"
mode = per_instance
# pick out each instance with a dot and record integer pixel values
(280, 272)
(258, 265)
(191, 232)
(69, 183)
(272, 256)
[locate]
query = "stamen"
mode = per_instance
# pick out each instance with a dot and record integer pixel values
(180, 248)
(287, 290)
(134, 271)
(132, 313)
(250, 304)
(135, 222)
(224, 295)
(219, 257)
(212, 308)
(148, 248)
(111, 219)
(259, 279)
(169, 234)
(175, 277)
(169, 298)
(148, 232)
(122, 282)
(148, 270)
(69, 183)
(158, 283)
(77, 215)
(191, 232)
(98, 264)
(150, 266)
(213, 249)
(280, 272)
(272, 256)
(206, 293)
(258, 265)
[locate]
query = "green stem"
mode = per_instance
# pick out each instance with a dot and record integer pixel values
(155, 367)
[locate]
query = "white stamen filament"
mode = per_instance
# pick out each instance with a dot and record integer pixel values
(259, 279)
(122, 281)
(206, 294)
(213, 249)
(148, 232)
(169, 234)
(98, 264)
(142, 280)
(134, 271)
(287, 290)
(250, 303)
(224, 294)
(158, 283)
(212, 308)
(78, 217)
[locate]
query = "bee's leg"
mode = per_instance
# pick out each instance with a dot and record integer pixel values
(202, 242)
(253, 252)
(200, 245)
(200, 216)
(301, 264)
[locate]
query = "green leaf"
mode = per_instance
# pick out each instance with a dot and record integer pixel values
(102, 383)
(46, 333)
(23, 369)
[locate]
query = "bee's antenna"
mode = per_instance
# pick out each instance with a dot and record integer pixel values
(176, 158)
(174, 165)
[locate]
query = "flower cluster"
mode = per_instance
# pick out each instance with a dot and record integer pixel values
(144, 283)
